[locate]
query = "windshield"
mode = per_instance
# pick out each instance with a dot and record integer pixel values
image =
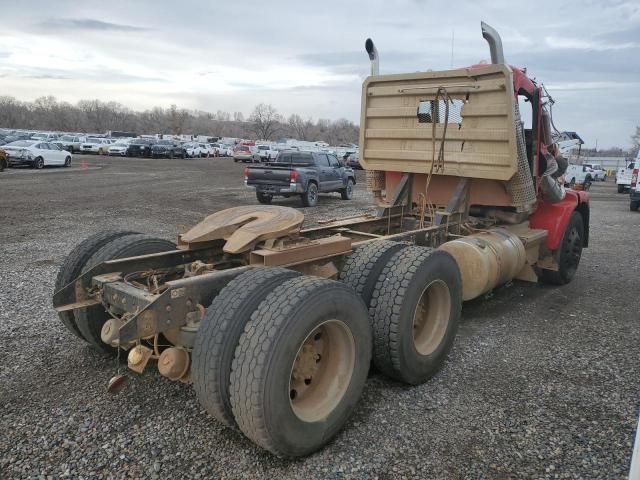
(165, 142)
(262, 147)
(93, 140)
(22, 143)
(66, 138)
(39, 135)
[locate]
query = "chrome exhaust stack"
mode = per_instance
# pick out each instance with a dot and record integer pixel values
(372, 51)
(495, 42)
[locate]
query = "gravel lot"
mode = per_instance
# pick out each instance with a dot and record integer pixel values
(542, 382)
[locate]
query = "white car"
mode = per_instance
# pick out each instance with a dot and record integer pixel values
(95, 145)
(623, 177)
(223, 149)
(193, 150)
(119, 148)
(208, 150)
(37, 154)
(598, 172)
(578, 175)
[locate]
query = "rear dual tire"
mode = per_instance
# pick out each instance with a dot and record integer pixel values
(220, 332)
(414, 312)
(75, 262)
(90, 320)
(300, 366)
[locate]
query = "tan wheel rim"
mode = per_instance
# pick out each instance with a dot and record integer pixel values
(431, 317)
(322, 371)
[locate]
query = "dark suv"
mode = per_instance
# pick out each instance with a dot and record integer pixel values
(140, 147)
(168, 149)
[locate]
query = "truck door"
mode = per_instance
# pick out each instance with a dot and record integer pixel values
(325, 172)
(337, 172)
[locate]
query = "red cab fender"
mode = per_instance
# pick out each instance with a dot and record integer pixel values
(553, 217)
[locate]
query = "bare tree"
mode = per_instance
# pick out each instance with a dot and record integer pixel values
(300, 128)
(266, 121)
(238, 117)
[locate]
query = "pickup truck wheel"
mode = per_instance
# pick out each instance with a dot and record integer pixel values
(633, 206)
(264, 198)
(310, 197)
(362, 268)
(219, 334)
(620, 188)
(568, 253)
(415, 310)
(301, 365)
(90, 320)
(347, 192)
(73, 265)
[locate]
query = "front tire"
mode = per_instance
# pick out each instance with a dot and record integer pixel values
(310, 197)
(568, 254)
(38, 163)
(620, 188)
(347, 192)
(300, 366)
(67, 162)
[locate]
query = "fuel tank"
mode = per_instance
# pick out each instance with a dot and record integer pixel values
(486, 260)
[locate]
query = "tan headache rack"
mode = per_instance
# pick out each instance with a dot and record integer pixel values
(480, 140)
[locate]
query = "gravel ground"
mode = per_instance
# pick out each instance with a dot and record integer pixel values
(541, 383)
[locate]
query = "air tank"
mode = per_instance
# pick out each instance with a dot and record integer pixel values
(486, 260)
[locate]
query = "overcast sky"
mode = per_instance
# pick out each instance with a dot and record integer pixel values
(308, 57)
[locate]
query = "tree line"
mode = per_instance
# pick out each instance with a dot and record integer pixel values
(96, 116)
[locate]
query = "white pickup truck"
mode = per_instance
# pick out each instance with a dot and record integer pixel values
(578, 175)
(598, 172)
(264, 153)
(623, 177)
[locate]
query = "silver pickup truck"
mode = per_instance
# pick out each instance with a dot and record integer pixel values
(300, 173)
